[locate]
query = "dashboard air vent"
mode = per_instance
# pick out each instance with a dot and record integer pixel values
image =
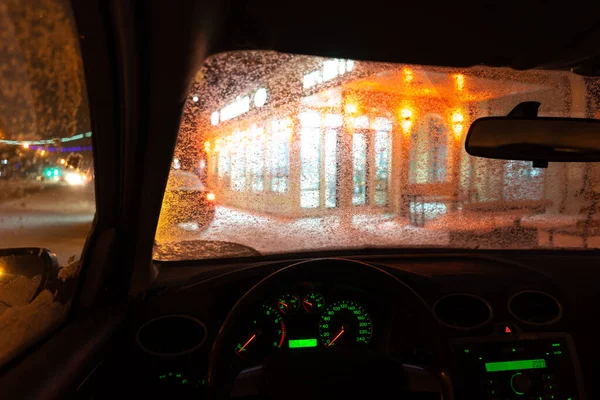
(171, 335)
(535, 308)
(462, 311)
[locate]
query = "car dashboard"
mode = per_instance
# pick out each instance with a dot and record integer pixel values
(519, 326)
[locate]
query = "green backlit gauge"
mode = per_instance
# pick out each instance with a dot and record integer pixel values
(288, 303)
(313, 302)
(345, 323)
(266, 334)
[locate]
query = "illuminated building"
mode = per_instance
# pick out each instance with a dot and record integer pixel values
(360, 136)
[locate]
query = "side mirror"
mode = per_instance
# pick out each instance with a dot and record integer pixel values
(24, 274)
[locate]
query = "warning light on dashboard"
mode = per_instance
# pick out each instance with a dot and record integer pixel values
(506, 329)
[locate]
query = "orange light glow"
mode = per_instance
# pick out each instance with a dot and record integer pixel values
(457, 128)
(351, 108)
(406, 113)
(406, 118)
(408, 75)
(25, 145)
(458, 117)
(207, 146)
(286, 123)
(63, 161)
(460, 81)
(211, 197)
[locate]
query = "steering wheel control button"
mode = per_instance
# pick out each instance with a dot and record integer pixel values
(520, 384)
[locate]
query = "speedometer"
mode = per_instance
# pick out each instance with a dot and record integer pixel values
(345, 323)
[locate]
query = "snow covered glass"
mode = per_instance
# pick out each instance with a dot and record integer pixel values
(46, 166)
(305, 153)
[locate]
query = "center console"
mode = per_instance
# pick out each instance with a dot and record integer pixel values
(529, 367)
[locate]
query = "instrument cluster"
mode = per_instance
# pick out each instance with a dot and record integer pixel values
(305, 318)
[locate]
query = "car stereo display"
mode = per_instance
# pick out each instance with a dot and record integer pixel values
(539, 369)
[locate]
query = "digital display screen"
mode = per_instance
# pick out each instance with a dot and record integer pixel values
(516, 365)
(302, 343)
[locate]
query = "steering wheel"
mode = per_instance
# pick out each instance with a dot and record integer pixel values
(332, 373)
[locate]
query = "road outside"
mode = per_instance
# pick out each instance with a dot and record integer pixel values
(57, 217)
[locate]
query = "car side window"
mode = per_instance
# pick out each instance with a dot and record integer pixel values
(47, 199)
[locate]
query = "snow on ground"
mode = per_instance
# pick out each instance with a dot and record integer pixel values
(58, 219)
(269, 234)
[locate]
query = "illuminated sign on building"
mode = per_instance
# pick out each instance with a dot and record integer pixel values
(240, 106)
(331, 69)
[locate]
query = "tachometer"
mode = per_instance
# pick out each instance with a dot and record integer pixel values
(266, 335)
(345, 323)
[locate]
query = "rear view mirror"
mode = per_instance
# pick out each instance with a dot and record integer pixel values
(24, 273)
(537, 139)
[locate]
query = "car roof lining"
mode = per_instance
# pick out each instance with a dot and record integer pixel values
(516, 34)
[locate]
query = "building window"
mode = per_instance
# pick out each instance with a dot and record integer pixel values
(522, 181)
(280, 158)
(331, 168)
(383, 151)
(224, 163)
(359, 167)
(310, 155)
(238, 169)
(255, 165)
(429, 152)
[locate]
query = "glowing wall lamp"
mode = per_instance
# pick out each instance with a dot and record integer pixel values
(457, 123)
(350, 108)
(406, 119)
(460, 81)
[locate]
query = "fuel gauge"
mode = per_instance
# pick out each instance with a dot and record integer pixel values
(313, 302)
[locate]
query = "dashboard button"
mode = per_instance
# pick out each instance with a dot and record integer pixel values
(548, 377)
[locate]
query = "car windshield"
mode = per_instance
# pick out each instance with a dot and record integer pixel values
(305, 153)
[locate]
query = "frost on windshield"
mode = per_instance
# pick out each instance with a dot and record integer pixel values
(299, 153)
